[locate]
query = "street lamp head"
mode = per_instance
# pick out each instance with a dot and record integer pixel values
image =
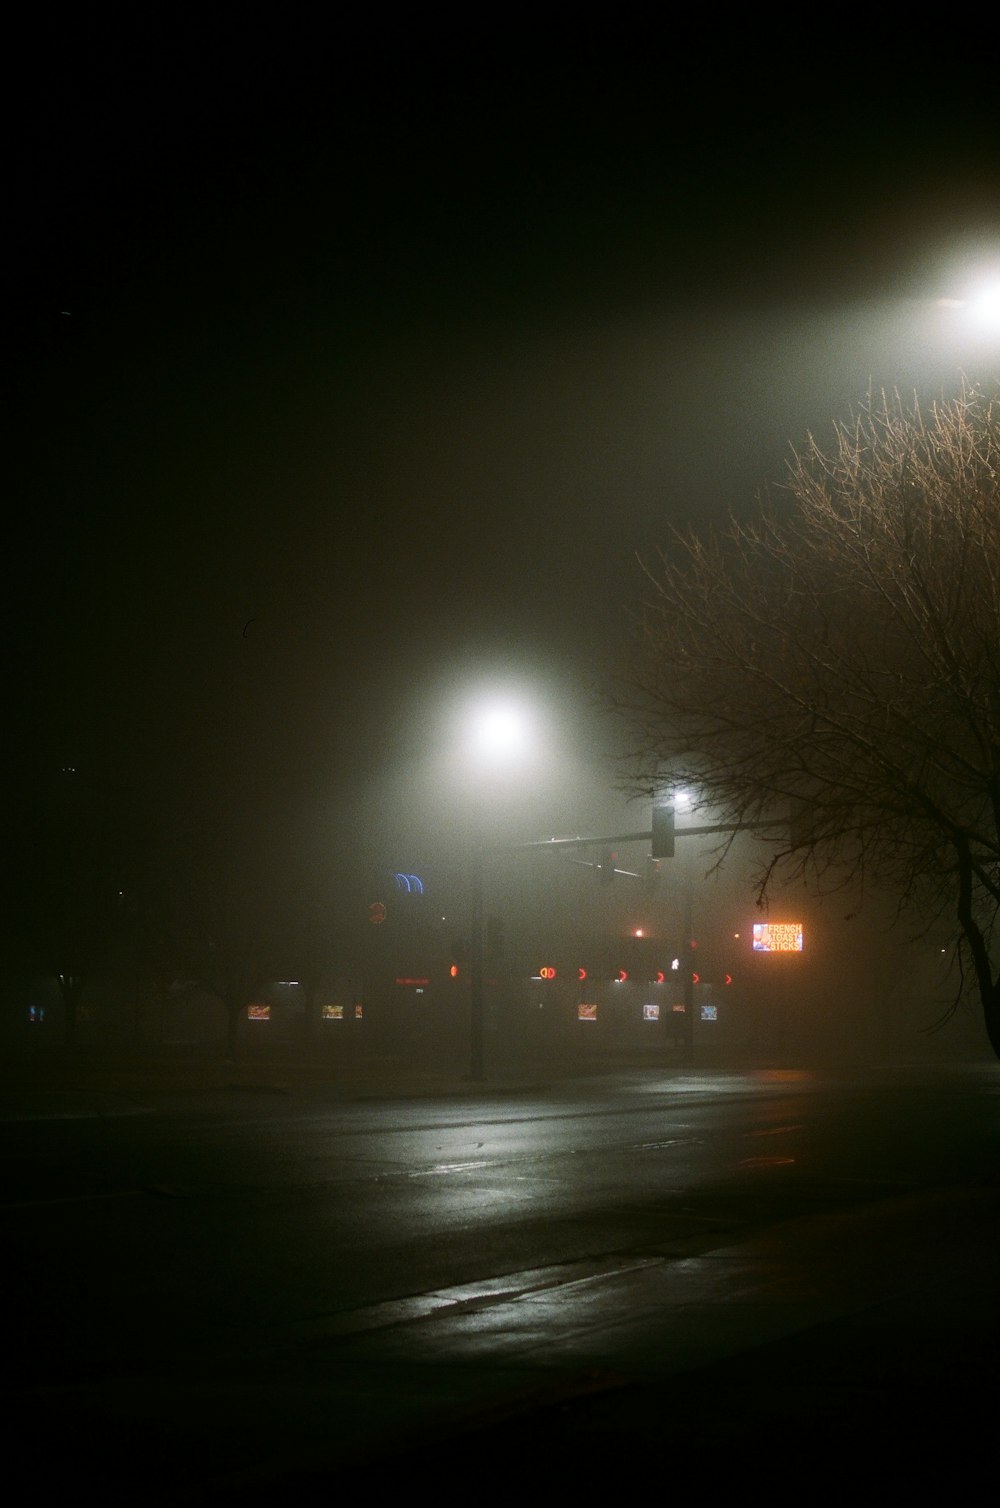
(978, 301)
(986, 306)
(499, 733)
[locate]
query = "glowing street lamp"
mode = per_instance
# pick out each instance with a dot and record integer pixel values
(981, 304)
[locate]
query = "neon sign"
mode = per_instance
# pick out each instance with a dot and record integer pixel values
(777, 937)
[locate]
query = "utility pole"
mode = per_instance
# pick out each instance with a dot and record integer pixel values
(477, 1004)
(663, 836)
(687, 962)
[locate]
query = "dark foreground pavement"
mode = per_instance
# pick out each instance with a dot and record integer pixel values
(853, 1355)
(885, 1394)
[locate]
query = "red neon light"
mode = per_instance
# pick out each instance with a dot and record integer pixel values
(622, 976)
(660, 977)
(547, 972)
(581, 974)
(453, 971)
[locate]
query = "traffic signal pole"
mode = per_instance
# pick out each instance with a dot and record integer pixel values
(662, 836)
(477, 1005)
(687, 962)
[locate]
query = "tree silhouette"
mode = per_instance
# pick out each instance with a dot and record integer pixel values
(836, 659)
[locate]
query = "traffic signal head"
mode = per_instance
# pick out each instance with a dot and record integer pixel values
(663, 832)
(606, 866)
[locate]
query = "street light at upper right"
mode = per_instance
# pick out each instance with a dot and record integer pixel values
(980, 306)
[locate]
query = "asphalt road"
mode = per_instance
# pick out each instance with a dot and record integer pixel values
(718, 1278)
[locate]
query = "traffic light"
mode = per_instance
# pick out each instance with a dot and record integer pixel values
(663, 832)
(606, 866)
(651, 875)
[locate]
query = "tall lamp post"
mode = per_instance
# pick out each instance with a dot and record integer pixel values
(499, 737)
(477, 993)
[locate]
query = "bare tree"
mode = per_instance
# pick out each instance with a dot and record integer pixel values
(837, 659)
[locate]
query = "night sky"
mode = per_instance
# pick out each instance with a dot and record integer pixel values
(353, 364)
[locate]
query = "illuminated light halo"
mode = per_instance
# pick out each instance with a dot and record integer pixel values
(499, 731)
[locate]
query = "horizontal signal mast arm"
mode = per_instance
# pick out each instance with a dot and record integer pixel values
(681, 832)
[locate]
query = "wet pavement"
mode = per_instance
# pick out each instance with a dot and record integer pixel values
(850, 1354)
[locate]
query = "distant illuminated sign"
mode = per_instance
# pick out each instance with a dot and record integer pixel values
(777, 937)
(710, 1013)
(547, 972)
(586, 1012)
(581, 975)
(411, 979)
(651, 1011)
(258, 1013)
(376, 912)
(333, 1013)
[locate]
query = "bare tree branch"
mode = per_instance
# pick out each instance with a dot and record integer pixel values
(838, 658)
